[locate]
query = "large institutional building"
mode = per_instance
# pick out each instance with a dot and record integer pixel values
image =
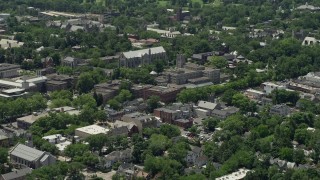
(141, 57)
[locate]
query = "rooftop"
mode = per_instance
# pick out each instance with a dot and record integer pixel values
(140, 53)
(240, 174)
(32, 118)
(27, 153)
(6, 66)
(93, 129)
(17, 174)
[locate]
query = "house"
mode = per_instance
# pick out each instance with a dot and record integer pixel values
(33, 158)
(309, 41)
(225, 112)
(9, 70)
(4, 141)
(19, 174)
(133, 59)
(140, 120)
(280, 109)
(71, 61)
(123, 128)
(47, 62)
(87, 131)
(26, 121)
(53, 139)
(7, 44)
(117, 156)
(184, 123)
(254, 94)
(268, 87)
(193, 154)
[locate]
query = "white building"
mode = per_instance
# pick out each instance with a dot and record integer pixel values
(87, 131)
(165, 33)
(137, 58)
(268, 87)
(240, 174)
(7, 43)
(54, 139)
(308, 41)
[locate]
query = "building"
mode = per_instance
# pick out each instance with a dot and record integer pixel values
(184, 123)
(9, 70)
(87, 131)
(193, 154)
(139, 91)
(108, 90)
(268, 87)
(206, 109)
(19, 174)
(26, 121)
(33, 158)
(254, 94)
(240, 174)
(133, 59)
(309, 41)
(308, 7)
(117, 156)
(165, 33)
(280, 109)
(123, 128)
(140, 120)
(71, 61)
(192, 73)
(53, 139)
(4, 141)
(7, 43)
(174, 112)
(166, 94)
(59, 82)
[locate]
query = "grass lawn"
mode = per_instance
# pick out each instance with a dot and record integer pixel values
(163, 3)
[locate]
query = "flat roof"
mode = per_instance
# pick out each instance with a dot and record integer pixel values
(17, 174)
(93, 129)
(32, 118)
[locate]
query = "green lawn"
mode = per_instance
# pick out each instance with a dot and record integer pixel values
(163, 3)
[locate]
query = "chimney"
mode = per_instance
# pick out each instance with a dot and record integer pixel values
(62, 109)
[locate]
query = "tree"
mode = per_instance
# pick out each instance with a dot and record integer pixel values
(158, 144)
(169, 130)
(283, 96)
(76, 150)
(85, 83)
(218, 62)
(3, 155)
(114, 104)
(298, 156)
(286, 153)
(211, 123)
(179, 152)
(228, 95)
(153, 103)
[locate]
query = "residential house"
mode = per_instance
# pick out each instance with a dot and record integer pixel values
(26, 121)
(123, 128)
(193, 154)
(140, 120)
(184, 123)
(33, 158)
(18, 174)
(268, 87)
(280, 109)
(71, 61)
(117, 156)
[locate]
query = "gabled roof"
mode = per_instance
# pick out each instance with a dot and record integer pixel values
(140, 53)
(27, 153)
